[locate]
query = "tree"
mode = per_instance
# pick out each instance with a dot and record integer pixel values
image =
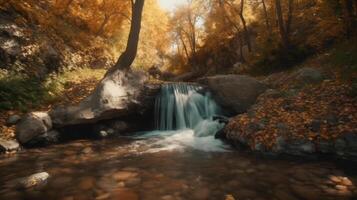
(284, 26)
(127, 57)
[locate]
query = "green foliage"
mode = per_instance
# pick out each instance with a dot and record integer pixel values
(18, 92)
(21, 93)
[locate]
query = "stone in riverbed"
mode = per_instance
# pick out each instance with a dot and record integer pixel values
(32, 125)
(8, 145)
(34, 180)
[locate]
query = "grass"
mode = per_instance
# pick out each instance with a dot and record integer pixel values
(24, 93)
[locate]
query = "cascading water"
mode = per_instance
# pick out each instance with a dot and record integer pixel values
(183, 106)
(184, 118)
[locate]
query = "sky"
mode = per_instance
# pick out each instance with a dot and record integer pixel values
(170, 5)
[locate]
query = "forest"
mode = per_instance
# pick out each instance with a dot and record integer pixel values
(178, 99)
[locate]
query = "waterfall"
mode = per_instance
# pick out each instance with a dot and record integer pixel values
(186, 106)
(184, 119)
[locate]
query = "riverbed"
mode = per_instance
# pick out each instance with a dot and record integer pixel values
(128, 168)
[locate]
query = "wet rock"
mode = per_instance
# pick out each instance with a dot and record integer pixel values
(259, 147)
(8, 146)
(351, 140)
(224, 89)
(340, 145)
(51, 137)
(299, 147)
(34, 180)
(221, 134)
(118, 126)
(326, 146)
(280, 144)
(32, 125)
(13, 119)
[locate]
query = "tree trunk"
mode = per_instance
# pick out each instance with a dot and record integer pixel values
(267, 23)
(127, 57)
(348, 16)
(246, 32)
(282, 30)
(121, 93)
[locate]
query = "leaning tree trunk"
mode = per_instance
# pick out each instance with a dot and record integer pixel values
(121, 93)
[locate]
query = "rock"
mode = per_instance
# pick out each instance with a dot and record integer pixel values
(308, 76)
(326, 146)
(301, 146)
(259, 147)
(50, 137)
(236, 92)
(119, 126)
(351, 141)
(340, 145)
(34, 180)
(8, 145)
(220, 134)
(13, 119)
(32, 125)
(280, 144)
(119, 94)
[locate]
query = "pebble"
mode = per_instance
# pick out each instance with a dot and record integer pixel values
(34, 180)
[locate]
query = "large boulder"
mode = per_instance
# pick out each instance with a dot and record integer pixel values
(236, 92)
(33, 125)
(120, 94)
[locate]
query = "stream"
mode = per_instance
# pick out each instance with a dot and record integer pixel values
(179, 160)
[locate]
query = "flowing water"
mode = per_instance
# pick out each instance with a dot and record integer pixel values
(180, 160)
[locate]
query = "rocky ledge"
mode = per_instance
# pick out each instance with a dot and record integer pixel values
(305, 114)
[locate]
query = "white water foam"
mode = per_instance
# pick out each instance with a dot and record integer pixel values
(184, 119)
